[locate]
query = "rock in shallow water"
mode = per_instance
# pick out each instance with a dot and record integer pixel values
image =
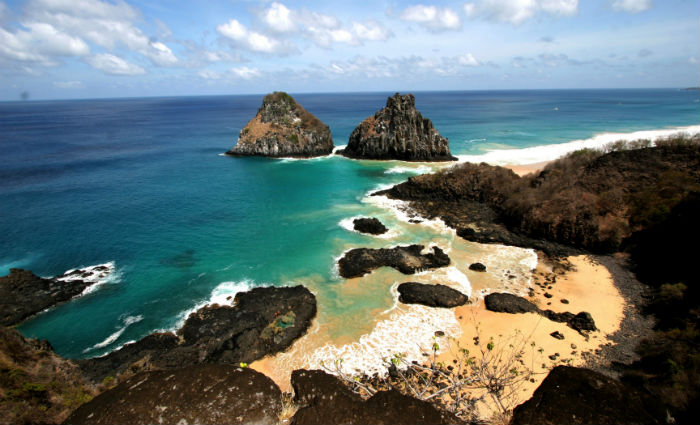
(283, 128)
(369, 225)
(406, 259)
(398, 131)
(431, 295)
(206, 394)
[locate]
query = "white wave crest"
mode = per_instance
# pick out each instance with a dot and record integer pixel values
(401, 169)
(128, 321)
(512, 266)
(223, 294)
(551, 152)
(410, 330)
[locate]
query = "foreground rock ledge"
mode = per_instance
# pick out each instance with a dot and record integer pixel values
(204, 394)
(398, 131)
(283, 128)
(406, 259)
(262, 321)
(577, 396)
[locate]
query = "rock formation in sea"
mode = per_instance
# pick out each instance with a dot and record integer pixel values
(283, 128)
(262, 321)
(23, 294)
(431, 295)
(406, 259)
(369, 225)
(398, 131)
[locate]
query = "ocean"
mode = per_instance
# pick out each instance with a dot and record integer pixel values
(141, 184)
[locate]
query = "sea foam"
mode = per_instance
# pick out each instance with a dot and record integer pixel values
(95, 276)
(126, 322)
(553, 151)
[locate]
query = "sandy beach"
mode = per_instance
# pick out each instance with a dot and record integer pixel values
(524, 169)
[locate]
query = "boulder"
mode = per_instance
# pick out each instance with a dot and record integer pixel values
(431, 295)
(406, 259)
(477, 267)
(283, 128)
(369, 225)
(509, 303)
(323, 399)
(262, 321)
(398, 131)
(206, 394)
(577, 396)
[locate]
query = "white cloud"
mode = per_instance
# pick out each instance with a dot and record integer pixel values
(467, 60)
(108, 25)
(434, 18)
(68, 84)
(253, 41)
(280, 24)
(693, 60)
(114, 65)
(40, 43)
(209, 74)
(632, 6)
(245, 72)
(518, 11)
(279, 18)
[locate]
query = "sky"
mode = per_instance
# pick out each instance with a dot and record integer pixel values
(62, 49)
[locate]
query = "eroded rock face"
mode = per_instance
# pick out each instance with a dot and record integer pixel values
(23, 294)
(577, 396)
(369, 225)
(203, 394)
(398, 131)
(323, 399)
(430, 295)
(283, 128)
(406, 259)
(262, 321)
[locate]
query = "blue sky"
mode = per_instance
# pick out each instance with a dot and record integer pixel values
(101, 48)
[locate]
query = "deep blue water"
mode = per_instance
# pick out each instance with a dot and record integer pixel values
(141, 182)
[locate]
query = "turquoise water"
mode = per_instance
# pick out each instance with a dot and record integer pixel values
(141, 183)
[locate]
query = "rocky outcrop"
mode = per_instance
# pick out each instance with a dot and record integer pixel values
(283, 128)
(477, 267)
(204, 394)
(23, 294)
(323, 399)
(576, 396)
(398, 131)
(509, 303)
(36, 385)
(431, 295)
(369, 225)
(262, 321)
(406, 259)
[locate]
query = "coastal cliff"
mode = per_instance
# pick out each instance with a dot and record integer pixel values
(398, 131)
(283, 128)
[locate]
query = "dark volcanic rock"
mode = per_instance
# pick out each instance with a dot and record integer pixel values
(283, 128)
(431, 295)
(23, 294)
(262, 321)
(398, 131)
(406, 259)
(205, 394)
(477, 267)
(323, 399)
(509, 303)
(369, 225)
(575, 396)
